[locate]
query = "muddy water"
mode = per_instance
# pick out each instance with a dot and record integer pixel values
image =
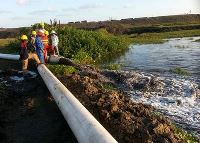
(179, 52)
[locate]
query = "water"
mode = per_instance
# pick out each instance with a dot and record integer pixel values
(179, 97)
(178, 52)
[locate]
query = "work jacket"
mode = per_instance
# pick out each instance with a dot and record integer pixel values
(54, 40)
(23, 50)
(45, 40)
(39, 48)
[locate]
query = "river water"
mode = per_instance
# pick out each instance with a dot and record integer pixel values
(178, 97)
(178, 52)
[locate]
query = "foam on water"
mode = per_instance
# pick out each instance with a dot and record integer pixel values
(178, 98)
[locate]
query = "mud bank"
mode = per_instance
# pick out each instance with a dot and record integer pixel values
(126, 120)
(28, 114)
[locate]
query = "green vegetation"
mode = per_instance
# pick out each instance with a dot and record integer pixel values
(187, 137)
(91, 46)
(113, 67)
(9, 45)
(62, 69)
(197, 40)
(155, 38)
(180, 71)
(5, 42)
(107, 86)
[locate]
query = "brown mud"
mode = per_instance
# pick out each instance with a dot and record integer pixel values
(27, 112)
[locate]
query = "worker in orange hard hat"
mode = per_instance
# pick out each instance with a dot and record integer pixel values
(26, 54)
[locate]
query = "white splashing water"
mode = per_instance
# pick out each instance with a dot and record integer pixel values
(176, 97)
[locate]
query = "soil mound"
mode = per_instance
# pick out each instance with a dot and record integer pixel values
(127, 121)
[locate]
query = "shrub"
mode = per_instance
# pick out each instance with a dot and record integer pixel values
(97, 46)
(180, 71)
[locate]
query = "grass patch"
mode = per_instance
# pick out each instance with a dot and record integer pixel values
(107, 86)
(6, 46)
(62, 69)
(113, 67)
(184, 135)
(180, 71)
(5, 42)
(156, 38)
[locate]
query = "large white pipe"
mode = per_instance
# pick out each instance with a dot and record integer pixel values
(84, 126)
(9, 57)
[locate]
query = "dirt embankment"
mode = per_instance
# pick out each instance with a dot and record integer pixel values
(28, 114)
(127, 121)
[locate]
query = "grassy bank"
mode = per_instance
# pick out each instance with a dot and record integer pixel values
(155, 38)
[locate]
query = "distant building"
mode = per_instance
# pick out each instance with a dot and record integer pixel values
(84, 21)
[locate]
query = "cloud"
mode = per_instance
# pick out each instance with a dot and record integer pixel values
(20, 18)
(22, 2)
(69, 9)
(90, 6)
(5, 12)
(43, 12)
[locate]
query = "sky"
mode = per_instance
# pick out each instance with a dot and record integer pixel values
(19, 13)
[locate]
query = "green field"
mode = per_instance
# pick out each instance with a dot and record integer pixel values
(155, 38)
(4, 42)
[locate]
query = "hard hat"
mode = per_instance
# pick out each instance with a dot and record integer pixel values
(41, 31)
(34, 33)
(53, 32)
(42, 23)
(24, 37)
(46, 32)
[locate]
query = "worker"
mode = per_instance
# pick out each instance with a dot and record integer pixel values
(25, 54)
(33, 36)
(39, 45)
(54, 42)
(45, 41)
(41, 27)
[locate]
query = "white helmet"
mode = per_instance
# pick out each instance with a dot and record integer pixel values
(41, 31)
(53, 32)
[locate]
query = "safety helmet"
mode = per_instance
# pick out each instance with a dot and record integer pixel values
(41, 23)
(34, 33)
(53, 32)
(24, 37)
(46, 32)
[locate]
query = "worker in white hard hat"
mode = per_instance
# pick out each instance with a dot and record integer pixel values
(54, 42)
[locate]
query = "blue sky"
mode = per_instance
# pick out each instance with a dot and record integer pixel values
(16, 13)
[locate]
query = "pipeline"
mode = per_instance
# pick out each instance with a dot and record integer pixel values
(84, 126)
